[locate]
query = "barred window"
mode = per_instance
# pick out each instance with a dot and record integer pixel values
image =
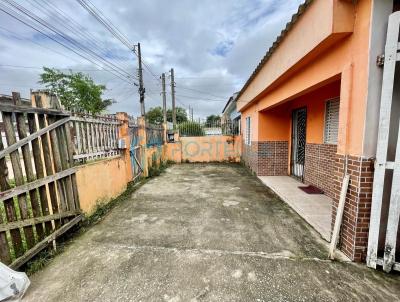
(331, 121)
(247, 139)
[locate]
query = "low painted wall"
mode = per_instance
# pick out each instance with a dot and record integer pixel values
(154, 156)
(216, 148)
(100, 181)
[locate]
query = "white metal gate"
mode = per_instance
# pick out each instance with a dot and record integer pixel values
(388, 258)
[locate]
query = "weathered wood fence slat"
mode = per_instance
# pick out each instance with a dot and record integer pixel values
(42, 201)
(33, 136)
(36, 220)
(45, 242)
(35, 184)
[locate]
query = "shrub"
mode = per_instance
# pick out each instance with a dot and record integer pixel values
(190, 129)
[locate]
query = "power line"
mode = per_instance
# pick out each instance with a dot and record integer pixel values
(44, 24)
(15, 16)
(38, 67)
(202, 92)
(63, 35)
(100, 17)
(20, 37)
(200, 99)
(199, 77)
(64, 19)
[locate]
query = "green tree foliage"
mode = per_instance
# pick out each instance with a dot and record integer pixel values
(191, 129)
(155, 115)
(76, 91)
(181, 115)
(212, 120)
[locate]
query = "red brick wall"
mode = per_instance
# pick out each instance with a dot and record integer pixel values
(273, 158)
(267, 158)
(250, 156)
(319, 166)
(355, 225)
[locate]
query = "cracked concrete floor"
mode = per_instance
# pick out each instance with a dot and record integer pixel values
(205, 233)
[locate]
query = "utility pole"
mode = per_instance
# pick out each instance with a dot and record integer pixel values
(142, 90)
(192, 114)
(164, 96)
(173, 98)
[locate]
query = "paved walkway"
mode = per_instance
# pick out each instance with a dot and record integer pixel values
(205, 233)
(316, 209)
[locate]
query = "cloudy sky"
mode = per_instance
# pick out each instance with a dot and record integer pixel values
(212, 45)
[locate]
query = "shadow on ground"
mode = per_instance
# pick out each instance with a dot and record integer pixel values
(205, 233)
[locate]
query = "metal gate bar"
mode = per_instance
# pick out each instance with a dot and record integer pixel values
(391, 57)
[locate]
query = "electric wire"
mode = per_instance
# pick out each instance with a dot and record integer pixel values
(100, 17)
(14, 14)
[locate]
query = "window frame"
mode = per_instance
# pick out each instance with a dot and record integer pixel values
(326, 141)
(247, 139)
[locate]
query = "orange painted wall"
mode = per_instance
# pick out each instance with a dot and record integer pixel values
(321, 66)
(100, 181)
(253, 113)
(213, 148)
(275, 124)
(324, 21)
(174, 151)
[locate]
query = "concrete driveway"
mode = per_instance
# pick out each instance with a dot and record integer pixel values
(205, 233)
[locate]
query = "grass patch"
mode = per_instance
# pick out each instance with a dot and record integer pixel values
(102, 209)
(157, 168)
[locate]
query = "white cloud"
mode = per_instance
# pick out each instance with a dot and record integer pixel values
(212, 45)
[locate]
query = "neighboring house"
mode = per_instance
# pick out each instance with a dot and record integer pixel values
(230, 114)
(311, 107)
(230, 111)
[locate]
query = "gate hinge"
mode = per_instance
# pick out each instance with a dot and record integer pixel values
(380, 60)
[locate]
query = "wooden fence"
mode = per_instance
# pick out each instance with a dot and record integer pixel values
(94, 136)
(41, 202)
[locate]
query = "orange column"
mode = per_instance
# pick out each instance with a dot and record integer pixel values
(143, 145)
(346, 87)
(124, 135)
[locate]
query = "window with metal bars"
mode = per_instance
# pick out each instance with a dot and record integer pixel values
(331, 121)
(247, 140)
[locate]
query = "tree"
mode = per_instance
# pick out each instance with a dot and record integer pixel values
(155, 115)
(213, 120)
(181, 115)
(76, 91)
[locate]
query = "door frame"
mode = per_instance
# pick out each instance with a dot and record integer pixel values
(293, 145)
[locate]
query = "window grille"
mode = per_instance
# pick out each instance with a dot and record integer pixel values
(331, 121)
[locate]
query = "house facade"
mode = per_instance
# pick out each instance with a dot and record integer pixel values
(311, 107)
(230, 117)
(230, 112)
